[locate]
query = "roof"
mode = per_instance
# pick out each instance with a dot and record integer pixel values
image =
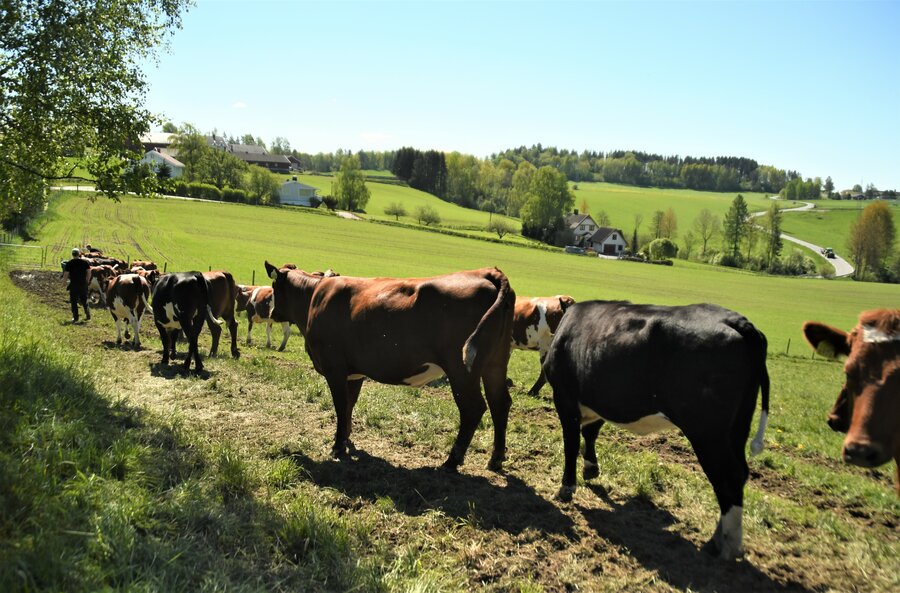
(167, 158)
(263, 158)
(157, 138)
(247, 148)
(573, 220)
(604, 232)
(300, 185)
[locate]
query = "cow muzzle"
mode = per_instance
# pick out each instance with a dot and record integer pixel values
(865, 454)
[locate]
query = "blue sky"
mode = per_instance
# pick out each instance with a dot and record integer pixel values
(808, 86)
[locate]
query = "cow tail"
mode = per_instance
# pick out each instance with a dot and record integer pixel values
(756, 445)
(204, 289)
(505, 298)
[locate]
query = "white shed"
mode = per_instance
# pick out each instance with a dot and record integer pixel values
(295, 193)
(156, 159)
(608, 241)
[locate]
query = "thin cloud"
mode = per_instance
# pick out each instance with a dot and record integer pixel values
(239, 105)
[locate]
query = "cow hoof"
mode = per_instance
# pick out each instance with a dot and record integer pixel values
(235, 354)
(495, 465)
(566, 493)
(281, 349)
(590, 470)
(119, 342)
(723, 552)
(450, 467)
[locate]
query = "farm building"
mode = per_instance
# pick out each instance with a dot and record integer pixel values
(295, 193)
(257, 155)
(156, 158)
(157, 140)
(608, 241)
(582, 227)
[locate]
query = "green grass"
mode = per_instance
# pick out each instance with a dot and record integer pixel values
(223, 481)
(829, 223)
(239, 238)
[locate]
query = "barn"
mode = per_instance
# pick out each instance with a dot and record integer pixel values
(294, 193)
(608, 241)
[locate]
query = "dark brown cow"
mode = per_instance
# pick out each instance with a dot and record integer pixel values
(222, 294)
(534, 324)
(868, 407)
(99, 279)
(151, 276)
(257, 301)
(407, 331)
(146, 264)
(126, 299)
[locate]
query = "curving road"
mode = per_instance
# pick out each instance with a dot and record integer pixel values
(841, 266)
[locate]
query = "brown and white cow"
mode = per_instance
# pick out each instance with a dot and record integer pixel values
(407, 331)
(99, 278)
(151, 276)
(697, 368)
(126, 299)
(534, 324)
(146, 264)
(257, 301)
(223, 292)
(868, 407)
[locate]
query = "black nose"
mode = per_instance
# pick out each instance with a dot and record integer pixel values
(864, 454)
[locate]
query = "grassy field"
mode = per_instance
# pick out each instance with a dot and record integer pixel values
(829, 223)
(150, 480)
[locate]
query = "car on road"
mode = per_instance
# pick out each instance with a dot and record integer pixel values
(828, 252)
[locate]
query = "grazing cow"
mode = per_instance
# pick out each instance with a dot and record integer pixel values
(181, 302)
(405, 331)
(257, 301)
(222, 294)
(648, 368)
(868, 407)
(534, 323)
(126, 299)
(99, 279)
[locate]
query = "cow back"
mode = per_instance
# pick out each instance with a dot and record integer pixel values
(223, 292)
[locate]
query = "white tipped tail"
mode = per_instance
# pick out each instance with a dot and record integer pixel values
(212, 317)
(756, 446)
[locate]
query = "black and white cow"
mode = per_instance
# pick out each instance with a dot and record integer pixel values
(697, 368)
(181, 301)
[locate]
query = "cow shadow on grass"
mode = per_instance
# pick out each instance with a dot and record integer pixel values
(643, 529)
(513, 507)
(175, 370)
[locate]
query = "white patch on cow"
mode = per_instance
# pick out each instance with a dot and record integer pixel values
(431, 372)
(171, 317)
(588, 416)
(356, 377)
(732, 530)
(873, 335)
(286, 333)
(119, 308)
(756, 446)
(648, 424)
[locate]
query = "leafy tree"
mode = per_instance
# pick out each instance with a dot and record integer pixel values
(829, 186)
(223, 169)
(71, 85)
(735, 227)
(872, 238)
(707, 225)
(395, 209)
(669, 224)
(602, 218)
(164, 171)
(192, 150)
(427, 215)
(499, 226)
(689, 241)
(656, 224)
(330, 202)
(584, 207)
(772, 224)
(857, 188)
(280, 145)
(262, 186)
(662, 248)
(170, 128)
(549, 198)
(350, 186)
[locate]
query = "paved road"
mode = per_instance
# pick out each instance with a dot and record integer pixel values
(841, 266)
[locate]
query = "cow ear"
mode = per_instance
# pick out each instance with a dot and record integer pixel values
(827, 341)
(271, 270)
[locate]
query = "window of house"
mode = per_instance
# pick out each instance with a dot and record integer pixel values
(614, 236)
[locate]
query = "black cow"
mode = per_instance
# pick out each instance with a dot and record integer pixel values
(181, 302)
(697, 368)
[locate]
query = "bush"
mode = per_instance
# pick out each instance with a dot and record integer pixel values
(427, 215)
(662, 248)
(229, 194)
(314, 202)
(330, 202)
(727, 260)
(180, 188)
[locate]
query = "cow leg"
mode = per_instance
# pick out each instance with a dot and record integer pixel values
(268, 335)
(340, 389)
(286, 331)
(467, 394)
(216, 332)
(249, 328)
(542, 378)
(136, 325)
(118, 330)
(727, 475)
(233, 330)
(569, 418)
(164, 338)
(591, 468)
(353, 389)
(499, 402)
(194, 348)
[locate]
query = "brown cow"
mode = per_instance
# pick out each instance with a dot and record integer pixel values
(534, 324)
(99, 279)
(868, 407)
(407, 331)
(222, 294)
(126, 298)
(257, 301)
(146, 264)
(151, 276)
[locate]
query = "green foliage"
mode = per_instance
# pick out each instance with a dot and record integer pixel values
(395, 209)
(872, 237)
(262, 186)
(547, 200)
(735, 226)
(427, 215)
(500, 227)
(350, 186)
(662, 248)
(772, 226)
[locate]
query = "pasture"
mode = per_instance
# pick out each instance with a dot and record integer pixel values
(829, 223)
(232, 486)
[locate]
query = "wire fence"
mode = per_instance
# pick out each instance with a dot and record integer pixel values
(23, 256)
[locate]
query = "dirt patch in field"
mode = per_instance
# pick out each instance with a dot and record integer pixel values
(505, 528)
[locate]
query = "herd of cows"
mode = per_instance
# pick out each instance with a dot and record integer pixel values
(697, 368)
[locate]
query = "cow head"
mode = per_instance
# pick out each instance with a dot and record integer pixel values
(242, 299)
(868, 407)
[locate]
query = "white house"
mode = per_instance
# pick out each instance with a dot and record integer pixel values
(608, 241)
(582, 227)
(156, 159)
(295, 193)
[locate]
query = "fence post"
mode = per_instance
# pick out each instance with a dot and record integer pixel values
(253, 282)
(788, 349)
(165, 265)
(210, 269)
